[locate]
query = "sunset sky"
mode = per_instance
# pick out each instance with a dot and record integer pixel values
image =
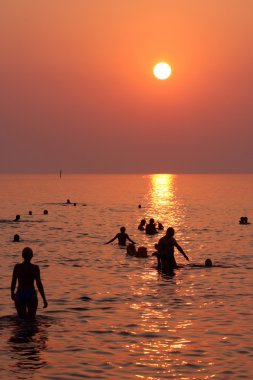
(78, 92)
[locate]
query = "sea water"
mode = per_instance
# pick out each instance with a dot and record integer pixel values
(111, 316)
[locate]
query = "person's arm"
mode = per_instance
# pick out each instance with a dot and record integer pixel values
(14, 282)
(110, 241)
(40, 287)
(181, 250)
(128, 238)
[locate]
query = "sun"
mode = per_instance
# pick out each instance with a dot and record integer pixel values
(162, 70)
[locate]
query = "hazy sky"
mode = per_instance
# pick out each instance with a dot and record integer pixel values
(78, 93)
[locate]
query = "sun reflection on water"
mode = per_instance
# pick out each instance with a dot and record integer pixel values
(162, 200)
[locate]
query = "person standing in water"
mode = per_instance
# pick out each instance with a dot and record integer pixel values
(122, 237)
(165, 254)
(25, 298)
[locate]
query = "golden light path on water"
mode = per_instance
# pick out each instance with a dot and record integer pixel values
(111, 316)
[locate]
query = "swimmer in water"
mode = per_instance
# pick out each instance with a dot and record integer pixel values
(141, 226)
(16, 238)
(122, 237)
(151, 228)
(25, 298)
(165, 250)
(208, 263)
(17, 218)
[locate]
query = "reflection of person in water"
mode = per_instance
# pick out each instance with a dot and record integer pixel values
(27, 341)
(26, 300)
(122, 237)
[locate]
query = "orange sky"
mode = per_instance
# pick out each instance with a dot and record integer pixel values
(78, 93)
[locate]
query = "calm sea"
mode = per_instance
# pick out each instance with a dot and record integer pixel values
(115, 317)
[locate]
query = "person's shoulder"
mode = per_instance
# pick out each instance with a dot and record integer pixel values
(35, 267)
(163, 238)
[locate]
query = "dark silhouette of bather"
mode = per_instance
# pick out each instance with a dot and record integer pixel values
(165, 252)
(142, 224)
(122, 237)
(151, 228)
(208, 263)
(25, 298)
(17, 218)
(45, 212)
(243, 220)
(16, 238)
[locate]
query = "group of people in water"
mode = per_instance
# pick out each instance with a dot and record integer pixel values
(166, 261)
(26, 274)
(150, 228)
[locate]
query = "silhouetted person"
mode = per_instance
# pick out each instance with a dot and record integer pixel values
(131, 249)
(68, 201)
(141, 252)
(142, 224)
(151, 228)
(208, 263)
(26, 300)
(17, 218)
(16, 238)
(30, 213)
(244, 220)
(160, 226)
(45, 212)
(139, 206)
(74, 204)
(166, 251)
(122, 237)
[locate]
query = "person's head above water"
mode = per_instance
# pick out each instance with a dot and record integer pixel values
(152, 220)
(170, 232)
(17, 218)
(208, 263)
(16, 238)
(122, 229)
(27, 254)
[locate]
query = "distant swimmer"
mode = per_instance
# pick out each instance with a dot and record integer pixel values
(151, 228)
(208, 263)
(165, 254)
(160, 226)
(17, 218)
(74, 204)
(16, 238)
(45, 212)
(243, 220)
(142, 224)
(25, 298)
(139, 206)
(30, 213)
(68, 201)
(122, 237)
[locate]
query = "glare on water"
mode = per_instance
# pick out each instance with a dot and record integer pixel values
(116, 317)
